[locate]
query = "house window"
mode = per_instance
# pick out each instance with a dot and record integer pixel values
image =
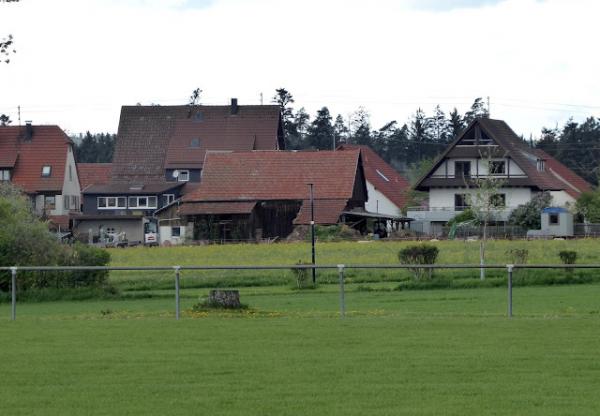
(49, 203)
(497, 167)
(184, 176)
(461, 202)
(46, 171)
(142, 202)
(175, 231)
(4, 175)
(112, 202)
(169, 198)
(554, 219)
(498, 200)
(195, 142)
(75, 202)
(541, 165)
(462, 169)
(70, 173)
(66, 201)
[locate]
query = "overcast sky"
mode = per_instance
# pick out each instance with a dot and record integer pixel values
(78, 61)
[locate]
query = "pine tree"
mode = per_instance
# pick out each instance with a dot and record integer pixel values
(456, 124)
(362, 127)
(320, 132)
(340, 130)
(478, 110)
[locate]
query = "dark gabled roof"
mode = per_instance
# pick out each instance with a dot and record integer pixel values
(523, 155)
(152, 138)
(93, 174)
(132, 189)
(382, 176)
(48, 146)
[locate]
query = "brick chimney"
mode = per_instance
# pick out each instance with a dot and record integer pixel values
(234, 106)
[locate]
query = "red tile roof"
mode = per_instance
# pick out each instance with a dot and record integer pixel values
(48, 146)
(216, 208)
(152, 138)
(221, 131)
(56, 221)
(93, 174)
(382, 176)
(263, 175)
(232, 178)
(327, 211)
(574, 184)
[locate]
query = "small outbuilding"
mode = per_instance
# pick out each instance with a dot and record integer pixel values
(556, 222)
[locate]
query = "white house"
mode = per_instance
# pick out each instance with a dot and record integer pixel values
(490, 148)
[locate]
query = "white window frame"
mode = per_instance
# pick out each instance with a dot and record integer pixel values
(5, 175)
(114, 199)
(137, 204)
(46, 171)
(169, 198)
(180, 177)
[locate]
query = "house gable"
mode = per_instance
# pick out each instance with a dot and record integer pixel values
(487, 139)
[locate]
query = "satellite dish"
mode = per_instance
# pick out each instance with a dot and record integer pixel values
(176, 173)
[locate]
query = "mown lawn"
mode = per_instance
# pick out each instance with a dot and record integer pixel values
(432, 352)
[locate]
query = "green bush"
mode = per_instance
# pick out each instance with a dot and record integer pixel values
(26, 241)
(568, 257)
(419, 254)
(464, 216)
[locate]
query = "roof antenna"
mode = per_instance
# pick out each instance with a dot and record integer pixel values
(261, 98)
(19, 113)
(488, 105)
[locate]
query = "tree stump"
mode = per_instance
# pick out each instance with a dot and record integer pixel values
(229, 299)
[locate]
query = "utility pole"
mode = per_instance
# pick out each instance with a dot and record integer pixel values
(312, 232)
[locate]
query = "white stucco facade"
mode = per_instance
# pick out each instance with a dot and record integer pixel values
(478, 167)
(379, 203)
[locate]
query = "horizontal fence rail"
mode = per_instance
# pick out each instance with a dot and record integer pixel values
(341, 268)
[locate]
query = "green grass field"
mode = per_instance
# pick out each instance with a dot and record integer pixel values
(427, 352)
(451, 252)
(420, 352)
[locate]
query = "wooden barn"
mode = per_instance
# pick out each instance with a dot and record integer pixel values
(265, 194)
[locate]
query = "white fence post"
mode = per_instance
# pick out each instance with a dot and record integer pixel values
(13, 290)
(177, 269)
(341, 268)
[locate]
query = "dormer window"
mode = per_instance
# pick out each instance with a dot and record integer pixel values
(46, 171)
(541, 165)
(4, 175)
(184, 176)
(195, 143)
